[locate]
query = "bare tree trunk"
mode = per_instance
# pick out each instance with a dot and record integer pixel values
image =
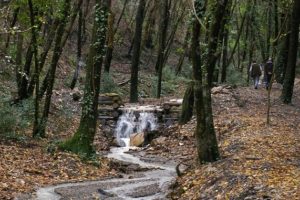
(36, 67)
(13, 23)
(289, 79)
(19, 59)
(136, 52)
(184, 52)
(79, 46)
(238, 38)
(187, 104)
(65, 36)
(58, 48)
(162, 44)
(110, 42)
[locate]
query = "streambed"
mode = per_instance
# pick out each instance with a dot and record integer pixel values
(148, 185)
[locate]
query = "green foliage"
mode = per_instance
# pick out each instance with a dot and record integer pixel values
(235, 77)
(168, 74)
(170, 82)
(108, 85)
(8, 121)
(15, 118)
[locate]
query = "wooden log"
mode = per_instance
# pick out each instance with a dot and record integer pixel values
(116, 105)
(105, 117)
(106, 102)
(124, 82)
(115, 114)
(172, 103)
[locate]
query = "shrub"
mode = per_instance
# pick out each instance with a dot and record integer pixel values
(15, 117)
(235, 77)
(108, 85)
(8, 120)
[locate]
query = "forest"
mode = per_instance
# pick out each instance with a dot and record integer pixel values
(149, 99)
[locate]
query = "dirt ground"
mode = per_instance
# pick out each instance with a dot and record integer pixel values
(258, 161)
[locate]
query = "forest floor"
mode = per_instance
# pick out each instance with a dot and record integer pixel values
(257, 161)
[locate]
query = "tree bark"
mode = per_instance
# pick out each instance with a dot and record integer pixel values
(162, 44)
(58, 48)
(136, 52)
(110, 42)
(36, 68)
(187, 105)
(81, 142)
(207, 146)
(79, 46)
(289, 79)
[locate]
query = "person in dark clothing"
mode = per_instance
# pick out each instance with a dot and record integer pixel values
(255, 72)
(268, 72)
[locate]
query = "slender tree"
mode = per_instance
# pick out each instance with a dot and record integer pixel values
(81, 142)
(136, 52)
(79, 47)
(207, 146)
(162, 43)
(58, 48)
(289, 79)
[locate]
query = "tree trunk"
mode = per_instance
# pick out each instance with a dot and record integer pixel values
(19, 59)
(65, 36)
(238, 38)
(43, 55)
(207, 146)
(187, 105)
(79, 46)
(36, 67)
(289, 79)
(162, 44)
(13, 23)
(58, 48)
(110, 42)
(22, 91)
(224, 57)
(81, 142)
(282, 56)
(136, 52)
(184, 51)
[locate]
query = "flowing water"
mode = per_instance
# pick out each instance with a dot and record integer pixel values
(150, 185)
(134, 121)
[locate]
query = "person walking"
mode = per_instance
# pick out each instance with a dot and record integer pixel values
(255, 72)
(268, 72)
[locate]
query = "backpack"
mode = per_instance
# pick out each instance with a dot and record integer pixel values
(255, 70)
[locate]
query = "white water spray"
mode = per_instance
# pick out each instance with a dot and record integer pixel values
(132, 122)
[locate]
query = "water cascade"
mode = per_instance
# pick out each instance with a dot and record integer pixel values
(132, 121)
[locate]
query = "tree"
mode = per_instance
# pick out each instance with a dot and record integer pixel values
(136, 52)
(79, 51)
(81, 142)
(207, 146)
(163, 27)
(58, 48)
(289, 79)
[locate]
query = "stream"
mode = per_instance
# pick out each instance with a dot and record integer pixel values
(149, 185)
(150, 181)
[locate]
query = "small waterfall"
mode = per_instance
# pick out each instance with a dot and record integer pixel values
(132, 122)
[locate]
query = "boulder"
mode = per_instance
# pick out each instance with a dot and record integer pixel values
(76, 95)
(158, 141)
(137, 139)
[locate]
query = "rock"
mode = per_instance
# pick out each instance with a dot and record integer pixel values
(158, 141)
(220, 90)
(76, 95)
(117, 143)
(137, 139)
